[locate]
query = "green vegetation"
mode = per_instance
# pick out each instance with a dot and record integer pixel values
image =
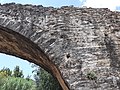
(45, 81)
(12, 83)
(6, 72)
(14, 80)
(17, 72)
(91, 75)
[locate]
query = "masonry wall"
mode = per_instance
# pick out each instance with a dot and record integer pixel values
(83, 43)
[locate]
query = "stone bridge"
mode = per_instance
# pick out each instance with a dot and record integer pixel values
(79, 46)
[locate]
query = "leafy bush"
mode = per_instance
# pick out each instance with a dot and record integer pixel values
(5, 72)
(12, 83)
(45, 81)
(92, 76)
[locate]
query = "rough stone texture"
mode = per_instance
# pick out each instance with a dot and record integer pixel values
(80, 42)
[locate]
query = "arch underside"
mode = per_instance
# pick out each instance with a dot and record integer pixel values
(13, 43)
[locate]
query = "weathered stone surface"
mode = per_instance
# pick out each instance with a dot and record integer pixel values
(80, 46)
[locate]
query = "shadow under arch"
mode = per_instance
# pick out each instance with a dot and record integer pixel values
(15, 44)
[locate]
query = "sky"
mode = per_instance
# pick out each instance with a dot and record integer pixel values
(111, 4)
(11, 62)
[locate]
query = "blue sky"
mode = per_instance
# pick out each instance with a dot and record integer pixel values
(11, 62)
(55, 3)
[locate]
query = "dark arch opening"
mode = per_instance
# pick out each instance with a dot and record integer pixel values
(15, 44)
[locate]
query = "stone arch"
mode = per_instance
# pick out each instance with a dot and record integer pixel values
(15, 44)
